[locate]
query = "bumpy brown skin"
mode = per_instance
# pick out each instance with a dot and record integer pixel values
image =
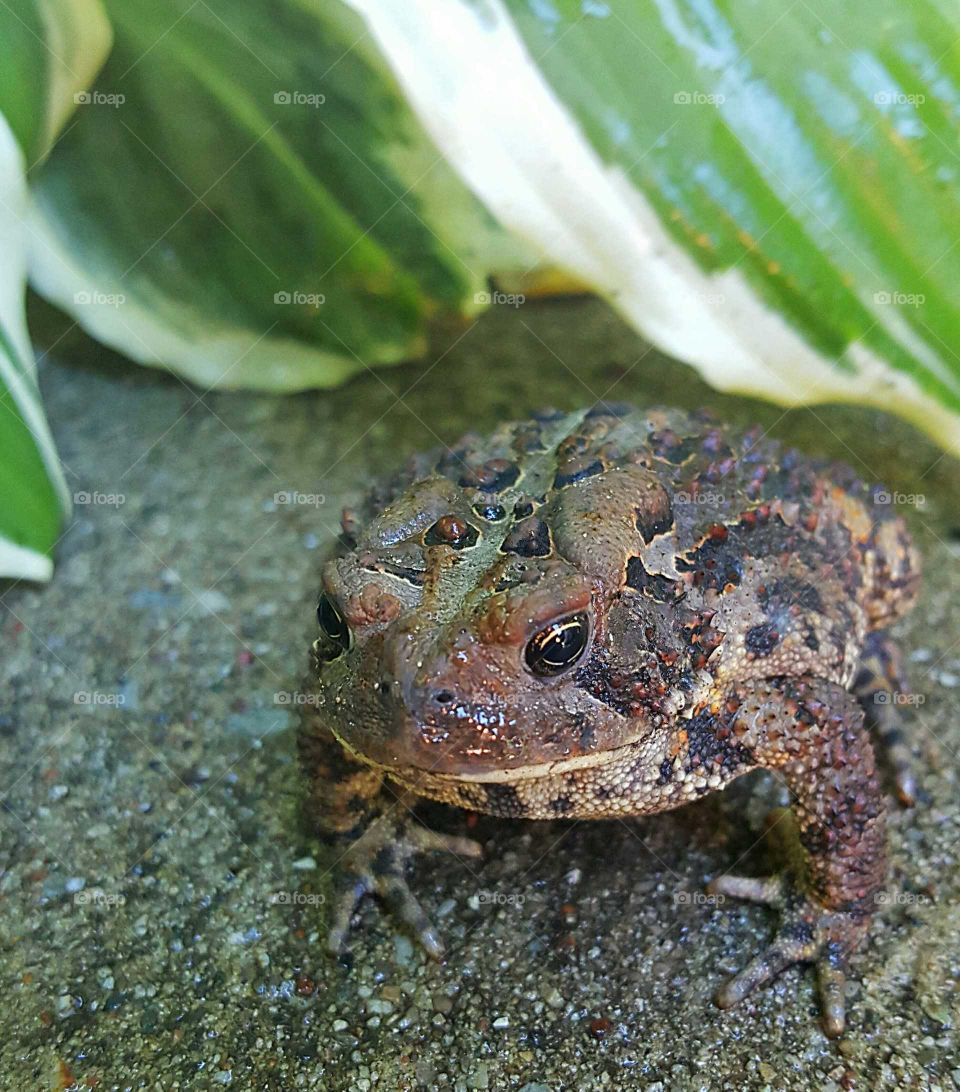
(736, 599)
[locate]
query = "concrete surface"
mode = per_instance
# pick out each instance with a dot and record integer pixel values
(162, 902)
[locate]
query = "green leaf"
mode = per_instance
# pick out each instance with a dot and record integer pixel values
(247, 200)
(767, 191)
(50, 50)
(31, 485)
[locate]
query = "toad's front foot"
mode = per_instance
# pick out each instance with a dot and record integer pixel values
(808, 933)
(374, 864)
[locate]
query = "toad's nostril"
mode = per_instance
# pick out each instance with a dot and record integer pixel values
(443, 697)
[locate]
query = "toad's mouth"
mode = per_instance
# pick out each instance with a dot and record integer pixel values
(531, 771)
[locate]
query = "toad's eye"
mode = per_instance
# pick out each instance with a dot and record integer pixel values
(558, 646)
(334, 628)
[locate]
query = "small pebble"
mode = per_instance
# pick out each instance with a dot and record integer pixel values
(553, 997)
(480, 1078)
(599, 1027)
(402, 948)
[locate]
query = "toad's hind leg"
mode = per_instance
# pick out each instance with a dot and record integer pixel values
(812, 731)
(880, 685)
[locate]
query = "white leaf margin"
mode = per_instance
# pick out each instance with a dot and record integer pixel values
(18, 375)
(478, 92)
(77, 40)
(78, 37)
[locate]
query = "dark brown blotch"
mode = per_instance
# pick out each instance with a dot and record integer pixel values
(650, 524)
(528, 538)
(657, 587)
(714, 564)
(575, 470)
(671, 447)
(492, 513)
(493, 476)
(761, 640)
(451, 530)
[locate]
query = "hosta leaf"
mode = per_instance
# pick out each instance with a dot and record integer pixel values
(248, 200)
(768, 191)
(50, 50)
